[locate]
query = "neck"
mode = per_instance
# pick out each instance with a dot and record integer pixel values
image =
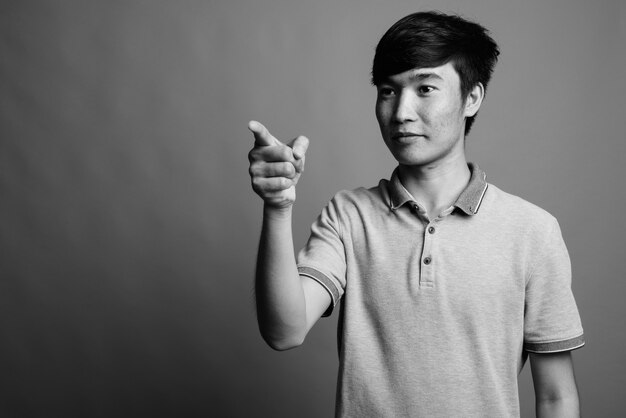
(436, 186)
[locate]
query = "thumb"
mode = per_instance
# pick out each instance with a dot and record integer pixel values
(299, 146)
(262, 136)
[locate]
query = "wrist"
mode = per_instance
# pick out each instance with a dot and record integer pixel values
(277, 212)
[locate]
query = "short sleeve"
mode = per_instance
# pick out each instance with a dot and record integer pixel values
(551, 319)
(323, 257)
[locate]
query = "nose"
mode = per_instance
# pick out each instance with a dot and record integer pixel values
(406, 107)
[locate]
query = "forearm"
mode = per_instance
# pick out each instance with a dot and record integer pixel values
(567, 407)
(281, 307)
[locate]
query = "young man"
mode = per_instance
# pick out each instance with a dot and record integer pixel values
(447, 283)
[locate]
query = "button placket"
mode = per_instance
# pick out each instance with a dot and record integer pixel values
(426, 270)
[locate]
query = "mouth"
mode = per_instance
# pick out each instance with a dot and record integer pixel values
(406, 136)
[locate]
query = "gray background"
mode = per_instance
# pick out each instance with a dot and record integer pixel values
(128, 228)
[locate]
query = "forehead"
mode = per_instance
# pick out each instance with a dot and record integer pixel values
(445, 74)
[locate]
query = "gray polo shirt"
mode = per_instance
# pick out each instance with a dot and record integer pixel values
(437, 316)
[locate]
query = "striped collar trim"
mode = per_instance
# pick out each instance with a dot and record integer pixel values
(469, 200)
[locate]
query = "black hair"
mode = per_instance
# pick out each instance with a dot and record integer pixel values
(431, 39)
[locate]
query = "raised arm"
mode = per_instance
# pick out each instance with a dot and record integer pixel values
(287, 305)
(556, 394)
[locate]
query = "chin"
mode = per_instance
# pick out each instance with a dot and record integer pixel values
(420, 160)
(412, 161)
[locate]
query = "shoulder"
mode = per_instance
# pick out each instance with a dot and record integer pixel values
(361, 199)
(532, 232)
(516, 210)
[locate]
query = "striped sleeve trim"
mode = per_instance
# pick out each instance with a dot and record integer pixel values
(325, 281)
(555, 346)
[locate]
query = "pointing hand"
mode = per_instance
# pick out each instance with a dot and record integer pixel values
(275, 167)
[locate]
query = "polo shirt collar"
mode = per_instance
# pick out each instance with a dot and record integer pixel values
(469, 200)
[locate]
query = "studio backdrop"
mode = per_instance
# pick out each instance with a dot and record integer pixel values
(128, 227)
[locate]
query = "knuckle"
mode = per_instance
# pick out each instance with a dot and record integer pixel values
(285, 183)
(289, 169)
(285, 154)
(271, 170)
(255, 155)
(272, 186)
(252, 155)
(298, 166)
(255, 169)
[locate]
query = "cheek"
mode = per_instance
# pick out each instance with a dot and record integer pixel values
(377, 113)
(444, 117)
(381, 115)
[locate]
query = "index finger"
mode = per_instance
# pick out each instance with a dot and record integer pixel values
(262, 136)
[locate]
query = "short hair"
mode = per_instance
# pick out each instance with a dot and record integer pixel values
(431, 39)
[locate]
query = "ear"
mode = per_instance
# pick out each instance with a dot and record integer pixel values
(474, 100)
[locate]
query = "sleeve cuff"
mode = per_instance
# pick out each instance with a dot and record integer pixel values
(555, 346)
(326, 282)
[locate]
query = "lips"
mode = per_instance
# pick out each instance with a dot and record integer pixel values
(406, 136)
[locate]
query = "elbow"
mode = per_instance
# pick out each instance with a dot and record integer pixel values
(282, 335)
(283, 343)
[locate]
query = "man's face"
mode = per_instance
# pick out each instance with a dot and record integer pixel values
(421, 115)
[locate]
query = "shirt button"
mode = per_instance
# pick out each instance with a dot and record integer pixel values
(431, 230)
(427, 260)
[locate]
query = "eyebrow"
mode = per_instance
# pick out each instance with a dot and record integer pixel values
(424, 76)
(416, 77)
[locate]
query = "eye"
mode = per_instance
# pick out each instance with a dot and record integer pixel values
(424, 90)
(385, 91)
